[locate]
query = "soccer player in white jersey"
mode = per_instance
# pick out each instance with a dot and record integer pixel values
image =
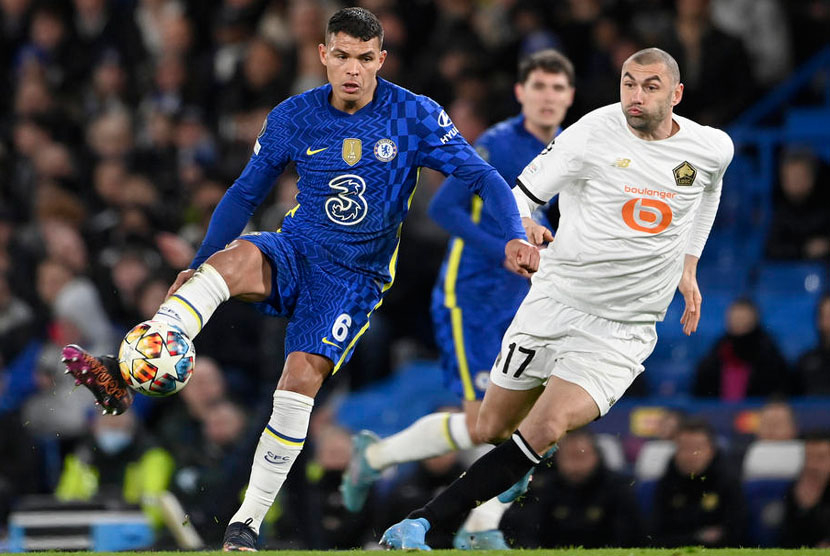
(638, 189)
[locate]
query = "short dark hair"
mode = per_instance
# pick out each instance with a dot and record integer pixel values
(816, 435)
(359, 23)
(548, 60)
(657, 56)
(697, 425)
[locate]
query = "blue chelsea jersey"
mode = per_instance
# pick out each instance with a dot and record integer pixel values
(357, 173)
(508, 147)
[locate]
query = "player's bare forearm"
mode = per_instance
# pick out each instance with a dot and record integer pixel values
(521, 257)
(691, 295)
(536, 233)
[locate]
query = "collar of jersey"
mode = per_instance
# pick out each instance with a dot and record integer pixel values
(521, 131)
(368, 109)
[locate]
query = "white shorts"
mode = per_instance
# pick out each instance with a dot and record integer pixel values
(548, 338)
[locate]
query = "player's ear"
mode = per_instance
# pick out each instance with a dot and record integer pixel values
(519, 91)
(677, 94)
(381, 58)
(321, 49)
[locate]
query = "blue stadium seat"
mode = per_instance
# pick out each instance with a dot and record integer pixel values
(768, 470)
(792, 278)
(790, 319)
(765, 505)
(725, 277)
(415, 390)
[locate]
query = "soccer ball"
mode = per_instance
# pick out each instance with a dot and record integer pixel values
(156, 358)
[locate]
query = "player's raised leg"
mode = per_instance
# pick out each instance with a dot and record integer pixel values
(240, 270)
(279, 445)
(431, 435)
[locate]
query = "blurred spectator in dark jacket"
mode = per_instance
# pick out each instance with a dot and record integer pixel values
(698, 500)
(763, 27)
(16, 323)
(210, 489)
(334, 526)
(813, 367)
(807, 514)
(743, 362)
(577, 501)
(707, 55)
(180, 429)
(800, 227)
(19, 466)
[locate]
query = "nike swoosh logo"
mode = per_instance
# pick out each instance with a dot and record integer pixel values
(326, 341)
(309, 152)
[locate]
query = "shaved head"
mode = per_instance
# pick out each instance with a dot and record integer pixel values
(649, 56)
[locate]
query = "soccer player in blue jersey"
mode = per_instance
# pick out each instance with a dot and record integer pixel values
(475, 296)
(357, 142)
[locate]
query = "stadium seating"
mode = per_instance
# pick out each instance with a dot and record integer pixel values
(612, 451)
(768, 470)
(651, 462)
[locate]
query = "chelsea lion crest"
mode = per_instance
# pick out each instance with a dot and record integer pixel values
(385, 150)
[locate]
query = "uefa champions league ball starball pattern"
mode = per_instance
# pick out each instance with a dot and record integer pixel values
(156, 358)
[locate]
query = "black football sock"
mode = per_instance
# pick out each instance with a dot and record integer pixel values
(489, 476)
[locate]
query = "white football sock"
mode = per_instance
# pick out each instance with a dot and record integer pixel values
(195, 301)
(430, 436)
(486, 517)
(279, 445)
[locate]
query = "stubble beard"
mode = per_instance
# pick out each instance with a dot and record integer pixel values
(646, 122)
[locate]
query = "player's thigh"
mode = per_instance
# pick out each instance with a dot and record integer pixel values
(502, 410)
(562, 407)
(245, 270)
(331, 314)
(285, 269)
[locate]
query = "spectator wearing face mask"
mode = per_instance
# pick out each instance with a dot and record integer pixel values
(117, 461)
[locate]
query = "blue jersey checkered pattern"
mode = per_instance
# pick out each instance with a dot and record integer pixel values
(357, 174)
(335, 255)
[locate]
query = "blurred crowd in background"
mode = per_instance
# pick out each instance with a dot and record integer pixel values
(122, 124)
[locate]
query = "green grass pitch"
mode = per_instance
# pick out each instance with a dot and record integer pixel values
(686, 551)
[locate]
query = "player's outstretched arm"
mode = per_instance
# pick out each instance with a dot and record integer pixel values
(450, 208)
(691, 295)
(521, 257)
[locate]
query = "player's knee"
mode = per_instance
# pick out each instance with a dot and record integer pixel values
(552, 430)
(304, 373)
(490, 431)
(302, 381)
(475, 438)
(240, 264)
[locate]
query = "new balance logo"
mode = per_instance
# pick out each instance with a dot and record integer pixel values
(271, 457)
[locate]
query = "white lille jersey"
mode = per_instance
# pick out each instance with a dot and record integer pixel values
(630, 211)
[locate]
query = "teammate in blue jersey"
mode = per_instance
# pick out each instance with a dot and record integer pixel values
(475, 296)
(357, 143)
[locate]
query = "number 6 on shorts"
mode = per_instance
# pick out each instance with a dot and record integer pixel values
(340, 328)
